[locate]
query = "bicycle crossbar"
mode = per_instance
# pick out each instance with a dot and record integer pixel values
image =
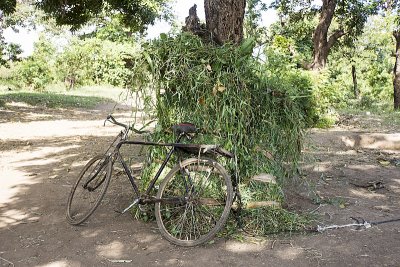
(190, 148)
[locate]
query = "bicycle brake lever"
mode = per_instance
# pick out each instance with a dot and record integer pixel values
(109, 118)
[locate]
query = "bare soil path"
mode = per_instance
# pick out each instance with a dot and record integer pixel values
(42, 150)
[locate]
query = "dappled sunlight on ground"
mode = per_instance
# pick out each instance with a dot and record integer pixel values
(37, 130)
(289, 253)
(40, 160)
(365, 167)
(11, 183)
(367, 194)
(12, 217)
(113, 250)
(61, 263)
(322, 166)
(89, 233)
(14, 180)
(244, 247)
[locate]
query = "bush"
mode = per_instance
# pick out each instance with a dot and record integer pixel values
(38, 70)
(237, 101)
(95, 61)
(258, 111)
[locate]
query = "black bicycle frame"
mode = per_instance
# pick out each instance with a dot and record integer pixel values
(160, 170)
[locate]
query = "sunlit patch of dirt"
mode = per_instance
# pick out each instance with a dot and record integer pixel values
(42, 151)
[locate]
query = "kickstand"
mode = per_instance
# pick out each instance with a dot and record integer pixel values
(136, 201)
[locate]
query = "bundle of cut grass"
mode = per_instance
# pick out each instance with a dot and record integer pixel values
(236, 100)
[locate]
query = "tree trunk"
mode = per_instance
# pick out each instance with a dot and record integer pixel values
(2, 41)
(224, 20)
(355, 85)
(396, 72)
(321, 43)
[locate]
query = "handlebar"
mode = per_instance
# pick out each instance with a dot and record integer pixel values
(111, 119)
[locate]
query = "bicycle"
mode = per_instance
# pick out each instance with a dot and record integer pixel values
(193, 200)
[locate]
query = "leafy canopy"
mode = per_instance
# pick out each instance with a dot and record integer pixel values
(136, 14)
(350, 15)
(76, 13)
(8, 6)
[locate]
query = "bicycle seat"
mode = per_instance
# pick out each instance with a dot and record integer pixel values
(186, 128)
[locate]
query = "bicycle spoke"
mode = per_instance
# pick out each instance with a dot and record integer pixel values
(206, 189)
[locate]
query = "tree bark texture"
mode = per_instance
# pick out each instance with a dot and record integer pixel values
(224, 20)
(192, 21)
(396, 72)
(321, 43)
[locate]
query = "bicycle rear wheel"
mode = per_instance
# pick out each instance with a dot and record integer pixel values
(196, 198)
(89, 189)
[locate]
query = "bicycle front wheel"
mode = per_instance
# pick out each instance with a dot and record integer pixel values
(89, 189)
(195, 201)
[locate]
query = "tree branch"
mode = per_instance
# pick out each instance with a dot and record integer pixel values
(334, 37)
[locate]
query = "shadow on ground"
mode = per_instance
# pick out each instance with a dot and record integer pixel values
(38, 167)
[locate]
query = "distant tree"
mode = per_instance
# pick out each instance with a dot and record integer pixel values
(393, 7)
(7, 6)
(396, 71)
(76, 13)
(13, 52)
(349, 17)
(13, 15)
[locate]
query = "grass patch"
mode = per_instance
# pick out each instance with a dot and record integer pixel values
(52, 100)
(266, 221)
(104, 91)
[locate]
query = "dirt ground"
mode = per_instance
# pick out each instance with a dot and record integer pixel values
(42, 150)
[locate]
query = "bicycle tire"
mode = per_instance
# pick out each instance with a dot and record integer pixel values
(208, 200)
(99, 184)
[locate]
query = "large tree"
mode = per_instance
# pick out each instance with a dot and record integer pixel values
(396, 71)
(224, 19)
(336, 19)
(393, 7)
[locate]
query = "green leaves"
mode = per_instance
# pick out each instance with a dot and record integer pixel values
(247, 46)
(236, 101)
(135, 14)
(8, 6)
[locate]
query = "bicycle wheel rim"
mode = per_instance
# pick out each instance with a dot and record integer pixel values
(207, 190)
(89, 189)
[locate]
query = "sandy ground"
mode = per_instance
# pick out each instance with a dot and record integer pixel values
(42, 150)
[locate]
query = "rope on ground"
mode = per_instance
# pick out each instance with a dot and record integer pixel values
(359, 223)
(324, 228)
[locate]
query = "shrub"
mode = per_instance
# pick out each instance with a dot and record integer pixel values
(237, 101)
(258, 111)
(38, 70)
(95, 61)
